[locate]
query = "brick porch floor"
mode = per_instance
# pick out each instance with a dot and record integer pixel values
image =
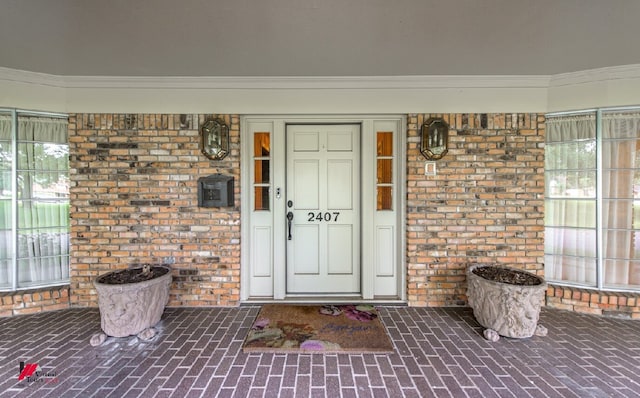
(439, 352)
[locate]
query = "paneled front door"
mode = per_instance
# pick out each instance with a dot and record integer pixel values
(323, 209)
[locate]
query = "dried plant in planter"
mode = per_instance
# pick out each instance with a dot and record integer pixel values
(131, 301)
(506, 301)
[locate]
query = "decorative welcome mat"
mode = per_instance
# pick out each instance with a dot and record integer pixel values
(315, 328)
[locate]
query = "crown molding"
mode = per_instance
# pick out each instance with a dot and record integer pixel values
(26, 77)
(324, 82)
(622, 72)
(613, 86)
(274, 82)
(321, 82)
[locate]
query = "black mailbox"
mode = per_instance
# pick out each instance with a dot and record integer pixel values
(215, 191)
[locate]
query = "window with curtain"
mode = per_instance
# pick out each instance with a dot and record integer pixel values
(589, 170)
(621, 199)
(34, 198)
(6, 236)
(570, 204)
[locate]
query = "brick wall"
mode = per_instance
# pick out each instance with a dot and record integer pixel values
(588, 301)
(134, 201)
(34, 300)
(485, 205)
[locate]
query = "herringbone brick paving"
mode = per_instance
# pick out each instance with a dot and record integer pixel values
(439, 352)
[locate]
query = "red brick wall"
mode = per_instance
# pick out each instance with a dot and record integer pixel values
(485, 205)
(616, 304)
(33, 301)
(134, 201)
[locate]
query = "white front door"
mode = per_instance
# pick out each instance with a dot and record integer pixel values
(323, 209)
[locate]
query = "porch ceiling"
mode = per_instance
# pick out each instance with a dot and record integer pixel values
(316, 37)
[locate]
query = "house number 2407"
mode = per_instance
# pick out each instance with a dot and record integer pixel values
(320, 216)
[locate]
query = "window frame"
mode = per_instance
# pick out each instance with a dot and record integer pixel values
(15, 230)
(599, 201)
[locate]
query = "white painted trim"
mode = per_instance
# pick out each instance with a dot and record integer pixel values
(26, 77)
(279, 122)
(597, 88)
(603, 87)
(402, 210)
(275, 82)
(245, 216)
(596, 75)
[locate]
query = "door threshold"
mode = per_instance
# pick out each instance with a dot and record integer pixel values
(334, 300)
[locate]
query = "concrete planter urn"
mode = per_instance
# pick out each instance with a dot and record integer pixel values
(131, 301)
(506, 301)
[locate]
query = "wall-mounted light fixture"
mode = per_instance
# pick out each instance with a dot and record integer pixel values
(434, 138)
(214, 139)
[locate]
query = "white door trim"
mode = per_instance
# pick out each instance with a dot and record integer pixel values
(277, 260)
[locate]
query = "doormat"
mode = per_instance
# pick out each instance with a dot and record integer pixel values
(282, 328)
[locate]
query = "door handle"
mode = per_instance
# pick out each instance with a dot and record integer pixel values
(289, 219)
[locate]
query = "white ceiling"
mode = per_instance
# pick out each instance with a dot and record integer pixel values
(317, 37)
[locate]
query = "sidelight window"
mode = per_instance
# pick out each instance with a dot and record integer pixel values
(384, 170)
(262, 170)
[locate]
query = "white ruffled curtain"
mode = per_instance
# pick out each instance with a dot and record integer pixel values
(571, 128)
(6, 240)
(570, 235)
(43, 240)
(43, 218)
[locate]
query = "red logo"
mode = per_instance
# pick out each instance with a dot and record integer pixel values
(32, 373)
(27, 370)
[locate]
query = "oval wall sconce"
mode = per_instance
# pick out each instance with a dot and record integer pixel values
(434, 138)
(214, 139)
